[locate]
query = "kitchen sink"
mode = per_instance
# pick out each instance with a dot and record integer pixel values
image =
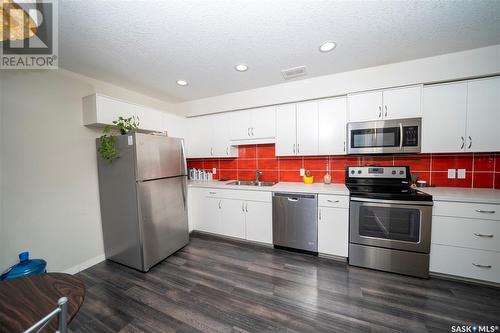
(250, 183)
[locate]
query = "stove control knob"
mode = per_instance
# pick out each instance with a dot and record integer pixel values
(401, 172)
(359, 172)
(393, 172)
(352, 172)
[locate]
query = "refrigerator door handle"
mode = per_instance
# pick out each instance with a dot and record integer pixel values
(183, 159)
(183, 190)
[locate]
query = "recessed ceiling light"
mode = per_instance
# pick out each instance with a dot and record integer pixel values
(241, 67)
(182, 82)
(327, 46)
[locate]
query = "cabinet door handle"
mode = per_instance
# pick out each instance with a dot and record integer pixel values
(380, 111)
(385, 106)
(246, 208)
(242, 206)
(298, 149)
(333, 201)
(294, 148)
(212, 193)
(320, 214)
(470, 142)
(227, 150)
(251, 130)
(248, 131)
(485, 211)
(344, 146)
(483, 235)
(482, 266)
(220, 204)
(463, 143)
(211, 151)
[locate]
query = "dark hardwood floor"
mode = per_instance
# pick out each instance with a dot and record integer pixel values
(218, 285)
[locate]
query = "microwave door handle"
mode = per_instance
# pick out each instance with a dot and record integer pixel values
(401, 136)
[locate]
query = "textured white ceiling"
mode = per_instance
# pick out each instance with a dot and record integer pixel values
(148, 45)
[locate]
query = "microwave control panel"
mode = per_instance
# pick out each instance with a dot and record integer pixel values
(410, 136)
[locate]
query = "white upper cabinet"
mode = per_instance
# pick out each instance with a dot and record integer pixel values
(264, 123)
(220, 136)
(444, 118)
(307, 128)
(100, 110)
(208, 136)
(198, 143)
(240, 125)
(397, 103)
(400, 103)
(311, 128)
(332, 115)
(483, 115)
(255, 125)
(286, 130)
(462, 117)
(365, 106)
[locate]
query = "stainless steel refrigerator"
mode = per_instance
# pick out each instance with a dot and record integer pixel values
(143, 200)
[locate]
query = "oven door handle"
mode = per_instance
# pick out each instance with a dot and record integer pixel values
(399, 202)
(400, 136)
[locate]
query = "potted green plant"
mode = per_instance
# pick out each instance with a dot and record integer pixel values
(107, 142)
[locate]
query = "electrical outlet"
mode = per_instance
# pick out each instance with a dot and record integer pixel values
(452, 174)
(214, 171)
(461, 173)
(302, 172)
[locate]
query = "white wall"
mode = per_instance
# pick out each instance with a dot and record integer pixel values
(2, 234)
(50, 189)
(477, 62)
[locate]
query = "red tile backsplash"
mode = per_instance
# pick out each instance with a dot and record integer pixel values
(443, 162)
(482, 169)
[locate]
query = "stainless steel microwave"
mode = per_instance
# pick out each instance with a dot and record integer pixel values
(384, 136)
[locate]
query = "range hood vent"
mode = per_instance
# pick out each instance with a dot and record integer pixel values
(291, 73)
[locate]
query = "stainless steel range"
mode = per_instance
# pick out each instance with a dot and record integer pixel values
(389, 222)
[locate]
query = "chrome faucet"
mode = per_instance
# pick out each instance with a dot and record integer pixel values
(257, 175)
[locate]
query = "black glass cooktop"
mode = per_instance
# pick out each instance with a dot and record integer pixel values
(403, 193)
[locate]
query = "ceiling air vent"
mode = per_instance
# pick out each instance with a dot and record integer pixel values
(291, 73)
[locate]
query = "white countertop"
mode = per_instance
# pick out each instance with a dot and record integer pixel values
(338, 189)
(458, 194)
(479, 195)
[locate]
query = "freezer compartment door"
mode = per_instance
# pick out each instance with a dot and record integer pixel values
(295, 222)
(159, 156)
(163, 215)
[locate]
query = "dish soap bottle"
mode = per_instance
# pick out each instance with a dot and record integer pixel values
(327, 179)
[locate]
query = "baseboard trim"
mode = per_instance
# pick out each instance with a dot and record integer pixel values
(86, 264)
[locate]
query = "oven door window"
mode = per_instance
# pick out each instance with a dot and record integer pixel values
(375, 137)
(402, 224)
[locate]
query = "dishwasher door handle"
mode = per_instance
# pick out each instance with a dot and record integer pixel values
(293, 199)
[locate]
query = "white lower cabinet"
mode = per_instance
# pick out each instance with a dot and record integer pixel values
(210, 217)
(233, 218)
(333, 225)
(463, 262)
(464, 240)
(259, 221)
(249, 215)
(232, 213)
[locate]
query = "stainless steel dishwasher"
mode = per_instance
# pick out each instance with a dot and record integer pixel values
(295, 221)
